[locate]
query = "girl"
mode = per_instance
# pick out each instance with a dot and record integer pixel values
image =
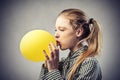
(82, 36)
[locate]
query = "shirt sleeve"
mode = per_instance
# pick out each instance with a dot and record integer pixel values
(89, 70)
(53, 75)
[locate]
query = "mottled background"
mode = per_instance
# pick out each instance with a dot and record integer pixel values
(17, 17)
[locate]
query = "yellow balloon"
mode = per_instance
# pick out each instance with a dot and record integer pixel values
(34, 42)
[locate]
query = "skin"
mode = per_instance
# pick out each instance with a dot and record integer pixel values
(66, 37)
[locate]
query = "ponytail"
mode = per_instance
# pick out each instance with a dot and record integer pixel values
(94, 42)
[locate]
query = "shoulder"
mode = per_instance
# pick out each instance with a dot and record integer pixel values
(89, 69)
(91, 62)
(89, 65)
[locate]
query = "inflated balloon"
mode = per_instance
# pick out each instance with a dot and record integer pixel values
(34, 42)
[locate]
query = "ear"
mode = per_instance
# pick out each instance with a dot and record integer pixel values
(79, 32)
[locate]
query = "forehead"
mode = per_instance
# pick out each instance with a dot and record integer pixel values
(62, 21)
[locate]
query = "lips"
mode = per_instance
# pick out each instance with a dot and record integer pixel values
(58, 43)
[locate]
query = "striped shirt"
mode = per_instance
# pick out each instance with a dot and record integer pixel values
(88, 70)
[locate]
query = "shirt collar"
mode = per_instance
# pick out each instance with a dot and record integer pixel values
(76, 53)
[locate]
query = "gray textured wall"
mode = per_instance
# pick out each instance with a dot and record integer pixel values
(20, 16)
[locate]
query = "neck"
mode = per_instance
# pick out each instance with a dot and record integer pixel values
(75, 48)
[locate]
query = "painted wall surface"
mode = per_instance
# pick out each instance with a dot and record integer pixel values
(17, 17)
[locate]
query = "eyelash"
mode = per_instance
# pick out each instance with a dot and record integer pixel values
(55, 30)
(59, 30)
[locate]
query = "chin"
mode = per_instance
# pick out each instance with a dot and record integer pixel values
(62, 48)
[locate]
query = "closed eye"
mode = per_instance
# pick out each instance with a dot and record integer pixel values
(61, 28)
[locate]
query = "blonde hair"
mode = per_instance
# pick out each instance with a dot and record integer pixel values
(91, 33)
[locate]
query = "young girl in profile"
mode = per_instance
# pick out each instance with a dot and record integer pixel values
(82, 36)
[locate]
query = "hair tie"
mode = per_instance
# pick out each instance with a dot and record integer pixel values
(90, 21)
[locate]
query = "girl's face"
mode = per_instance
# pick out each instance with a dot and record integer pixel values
(65, 35)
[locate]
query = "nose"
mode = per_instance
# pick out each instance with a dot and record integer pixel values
(56, 35)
